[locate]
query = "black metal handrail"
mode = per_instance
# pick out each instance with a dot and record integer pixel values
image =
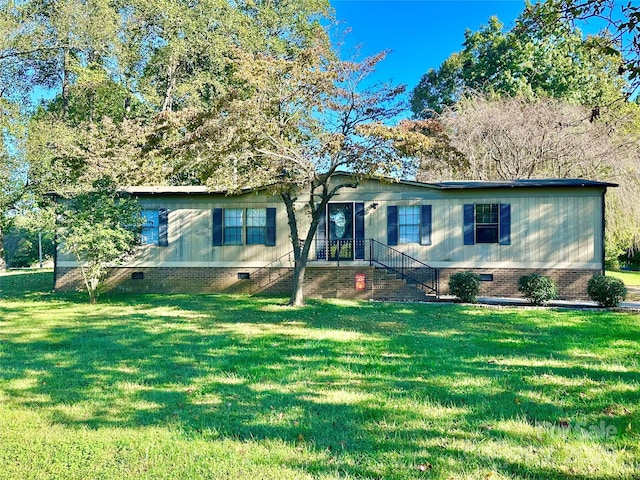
(269, 267)
(409, 268)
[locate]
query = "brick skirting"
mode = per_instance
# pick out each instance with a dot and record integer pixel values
(572, 284)
(320, 282)
(330, 282)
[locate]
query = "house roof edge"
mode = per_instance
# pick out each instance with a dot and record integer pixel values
(446, 185)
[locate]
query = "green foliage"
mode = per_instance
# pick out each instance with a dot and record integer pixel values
(621, 21)
(465, 286)
(21, 238)
(543, 58)
(99, 227)
(22, 244)
(527, 60)
(607, 291)
(92, 97)
(612, 254)
(538, 289)
(114, 66)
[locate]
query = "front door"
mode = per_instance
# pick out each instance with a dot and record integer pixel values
(341, 230)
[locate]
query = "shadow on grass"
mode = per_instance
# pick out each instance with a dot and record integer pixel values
(365, 383)
(20, 284)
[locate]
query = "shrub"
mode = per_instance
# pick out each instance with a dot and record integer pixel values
(465, 286)
(538, 289)
(607, 291)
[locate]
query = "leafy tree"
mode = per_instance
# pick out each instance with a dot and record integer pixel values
(42, 46)
(152, 57)
(180, 54)
(526, 60)
(99, 227)
(48, 41)
(188, 65)
(296, 118)
(301, 124)
(209, 91)
(621, 21)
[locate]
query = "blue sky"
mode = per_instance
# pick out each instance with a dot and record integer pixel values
(421, 34)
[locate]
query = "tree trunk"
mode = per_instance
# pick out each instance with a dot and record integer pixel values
(297, 295)
(94, 285)
(300, 251)
(167, 103)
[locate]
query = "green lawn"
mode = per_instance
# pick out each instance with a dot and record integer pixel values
(630, 279)
(225, 387)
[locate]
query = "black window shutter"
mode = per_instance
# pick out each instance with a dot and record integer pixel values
(359, 232)
(392, 225)
(505, 224)
(425, 224)
(163, 227)
(271, 227)
(469, 224)
(217, 227)
(321, 238)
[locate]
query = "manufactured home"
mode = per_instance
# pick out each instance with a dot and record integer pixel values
(397, 240)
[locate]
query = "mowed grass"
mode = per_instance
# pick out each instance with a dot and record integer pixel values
(229, 387)
(630, 279)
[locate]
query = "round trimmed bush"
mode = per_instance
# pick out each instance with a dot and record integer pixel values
(465, 286)
(538, 289)
(607, 291)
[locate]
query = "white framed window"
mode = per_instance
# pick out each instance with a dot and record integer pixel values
(409, 224)
(487, 222)
(233, 223)
(256, 226)
(244, 226)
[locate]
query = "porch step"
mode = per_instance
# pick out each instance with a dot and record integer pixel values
(388, 287)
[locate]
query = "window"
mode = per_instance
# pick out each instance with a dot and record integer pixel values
(233, 226)
(150, 234)
(256, 226)
(238, 226)
(487, 223)
(155, 227)
(409, 224)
